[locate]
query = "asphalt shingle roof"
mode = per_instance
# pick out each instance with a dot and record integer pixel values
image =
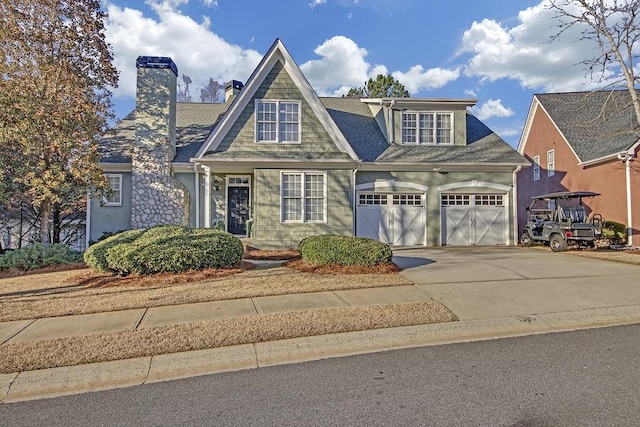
(194, 122)
(595, 124)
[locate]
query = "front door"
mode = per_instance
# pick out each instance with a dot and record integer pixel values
(238, 212)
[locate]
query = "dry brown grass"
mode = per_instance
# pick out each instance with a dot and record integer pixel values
(84, 291)
(216, 333)
(624, 256)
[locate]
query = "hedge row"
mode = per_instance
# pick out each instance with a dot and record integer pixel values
(36, 255)
(164, 249)
(330, 249)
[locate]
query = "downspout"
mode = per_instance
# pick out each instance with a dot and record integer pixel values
(87, 233)
(197, 194)
(627, 168)
(354, 202)
(515, 205)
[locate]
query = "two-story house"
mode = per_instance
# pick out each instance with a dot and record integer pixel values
(287, 164)
(584, 141)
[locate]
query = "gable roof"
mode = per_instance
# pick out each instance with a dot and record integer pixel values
(194, 123)
(596, 125)
(277, 52)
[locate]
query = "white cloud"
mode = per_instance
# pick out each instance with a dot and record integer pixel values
(524, 52)
(210, 3)
(315, 3)
(342, 63)
(492, 108)
(417, 79)
(198, 52)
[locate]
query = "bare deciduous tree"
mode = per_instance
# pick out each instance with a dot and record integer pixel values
(614, 26)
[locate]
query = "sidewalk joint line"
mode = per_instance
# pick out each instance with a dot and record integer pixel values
(341, 299)
(18, 331)
(255, 307)
(135, 328)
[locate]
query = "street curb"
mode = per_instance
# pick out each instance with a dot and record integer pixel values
(54, 382)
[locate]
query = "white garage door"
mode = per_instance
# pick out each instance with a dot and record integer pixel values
(474, 219)
(397, 219)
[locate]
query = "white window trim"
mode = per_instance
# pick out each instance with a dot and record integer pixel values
(105, 202)
(536, 168)
(303, 198)
(277, 140)
(435, 128)
(551, 163)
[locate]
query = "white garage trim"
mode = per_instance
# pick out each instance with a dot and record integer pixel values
(474, 219)
(474, 183)
(391, 185)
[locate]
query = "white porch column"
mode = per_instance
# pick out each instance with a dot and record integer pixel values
(207, 197)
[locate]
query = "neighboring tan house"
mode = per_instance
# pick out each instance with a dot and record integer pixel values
(583, 141)
(288, 164)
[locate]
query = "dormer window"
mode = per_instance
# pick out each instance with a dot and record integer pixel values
(277, 121)
(429, 128)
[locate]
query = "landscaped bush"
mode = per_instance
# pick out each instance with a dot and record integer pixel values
(36, 255)
(96, 255)
(615, 232)
(332, 249)
(166, 249)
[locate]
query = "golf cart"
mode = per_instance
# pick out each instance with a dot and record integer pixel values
(559, 220)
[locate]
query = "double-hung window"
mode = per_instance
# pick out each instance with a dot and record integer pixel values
(304, 197)
(536, 168)
(114, 195)
(277, 121)
(551, 163)
(430, 128)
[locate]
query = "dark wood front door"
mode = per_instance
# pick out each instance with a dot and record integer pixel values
(238, 212)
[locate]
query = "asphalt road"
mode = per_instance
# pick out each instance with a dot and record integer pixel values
(583, 378)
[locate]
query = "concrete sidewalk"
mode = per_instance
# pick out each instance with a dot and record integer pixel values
(495, 292)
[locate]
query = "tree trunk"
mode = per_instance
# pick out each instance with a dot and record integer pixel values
(56, 223)
(45, 213)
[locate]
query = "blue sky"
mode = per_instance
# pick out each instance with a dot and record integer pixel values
(497, 51)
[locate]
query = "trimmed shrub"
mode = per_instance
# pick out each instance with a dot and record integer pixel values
(36, 255)
(331, 249)
(169, 249)
(615, 232)
(96, 255)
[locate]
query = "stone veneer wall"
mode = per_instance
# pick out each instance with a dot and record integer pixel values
(157, 197)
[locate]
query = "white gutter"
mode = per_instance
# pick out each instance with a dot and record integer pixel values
(515, 205)
(197, 192)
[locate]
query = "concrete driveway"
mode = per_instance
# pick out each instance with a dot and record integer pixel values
(490, 282)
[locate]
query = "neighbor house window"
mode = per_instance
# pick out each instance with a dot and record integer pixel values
(551, 163)
(536, 168)
(114, 196)
(277, 121)
(427, 128)
(304, 197)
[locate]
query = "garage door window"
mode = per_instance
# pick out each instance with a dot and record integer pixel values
(372, 199)
(455, 199)
(407, 199)
(489, 200)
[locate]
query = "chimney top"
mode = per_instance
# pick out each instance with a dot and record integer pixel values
(232, 87)
(156, 62)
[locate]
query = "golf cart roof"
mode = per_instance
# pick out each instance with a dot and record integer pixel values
(566, 195)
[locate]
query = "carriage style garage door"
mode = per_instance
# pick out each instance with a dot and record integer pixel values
(474, 219)
(397, 219)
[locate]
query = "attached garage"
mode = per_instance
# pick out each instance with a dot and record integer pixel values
(474, 219)
(394, 218)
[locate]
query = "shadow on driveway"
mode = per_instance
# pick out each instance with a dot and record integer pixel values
(409, 262)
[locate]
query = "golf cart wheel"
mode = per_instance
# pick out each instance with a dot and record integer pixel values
(558, 244)
(526, 240)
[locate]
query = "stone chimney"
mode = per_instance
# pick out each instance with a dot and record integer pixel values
(158, 198)
(232, 88)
